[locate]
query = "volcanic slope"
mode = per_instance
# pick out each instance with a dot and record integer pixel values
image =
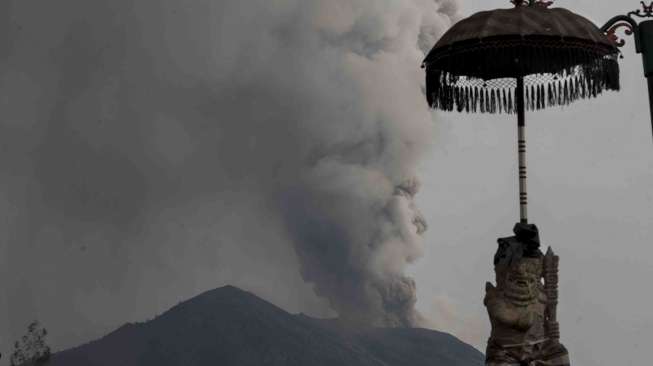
(231, 327)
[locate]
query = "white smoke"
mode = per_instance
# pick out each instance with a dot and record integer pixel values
(137, 132)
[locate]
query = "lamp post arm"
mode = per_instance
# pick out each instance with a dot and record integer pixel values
(643, 34)
(627, 22)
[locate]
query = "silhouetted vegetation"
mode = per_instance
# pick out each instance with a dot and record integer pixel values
(31, 349)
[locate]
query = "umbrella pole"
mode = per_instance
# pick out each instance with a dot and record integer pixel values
(521, 142)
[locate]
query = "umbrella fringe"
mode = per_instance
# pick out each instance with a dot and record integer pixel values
(450, 92)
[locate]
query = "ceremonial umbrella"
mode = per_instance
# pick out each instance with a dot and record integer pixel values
(525, 58)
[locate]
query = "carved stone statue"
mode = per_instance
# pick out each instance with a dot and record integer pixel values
(525, 331)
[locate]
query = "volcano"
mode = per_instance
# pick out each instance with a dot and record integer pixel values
(232, 327)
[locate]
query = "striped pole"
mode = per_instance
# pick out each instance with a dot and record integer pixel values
(521, 142)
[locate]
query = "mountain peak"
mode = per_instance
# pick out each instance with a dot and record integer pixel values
(222, 294)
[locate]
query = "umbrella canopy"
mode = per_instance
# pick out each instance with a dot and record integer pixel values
(562, 57)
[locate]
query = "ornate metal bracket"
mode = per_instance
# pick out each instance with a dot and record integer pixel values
(629, 25)
(645, 12)
(643, 35)
(611, 32)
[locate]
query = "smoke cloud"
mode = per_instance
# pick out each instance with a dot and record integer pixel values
(154, 148)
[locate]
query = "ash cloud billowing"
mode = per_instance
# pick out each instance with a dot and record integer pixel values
(138, 136)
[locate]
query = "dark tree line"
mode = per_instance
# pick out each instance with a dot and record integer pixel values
(31, 349)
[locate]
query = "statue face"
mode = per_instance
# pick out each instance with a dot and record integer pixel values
(522, 282)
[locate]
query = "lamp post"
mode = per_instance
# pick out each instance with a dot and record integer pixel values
(642, 33)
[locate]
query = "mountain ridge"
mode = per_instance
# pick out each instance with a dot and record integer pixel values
(229, 326)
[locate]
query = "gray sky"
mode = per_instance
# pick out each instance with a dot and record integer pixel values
(134, 176)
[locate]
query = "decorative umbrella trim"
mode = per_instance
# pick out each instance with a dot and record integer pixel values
(578, 75)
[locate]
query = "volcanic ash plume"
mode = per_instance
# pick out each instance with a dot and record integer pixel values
(354, 248)
(352, 216)
(162, 147)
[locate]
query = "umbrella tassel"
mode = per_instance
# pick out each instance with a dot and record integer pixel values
(530, 102)
(472, 108)
(491, 105)
(596, 79)
(588, 87)
(496, 94)
(482, 100)
(499, 102)
(539, 97)
(511, 106)
(498, 105)
(443, 98)
(452, 98)
(561, 93)
(461, 106)
(470, 99)
(533, 98)
(614, 74)
(598, 85)
(452, 101)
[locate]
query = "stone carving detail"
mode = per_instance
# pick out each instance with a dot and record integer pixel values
(522, 305)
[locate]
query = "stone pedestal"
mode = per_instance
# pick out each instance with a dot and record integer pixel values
(522, 305)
